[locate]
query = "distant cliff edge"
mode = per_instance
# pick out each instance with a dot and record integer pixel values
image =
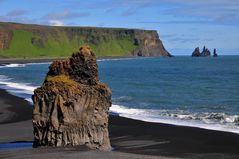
(27, 40)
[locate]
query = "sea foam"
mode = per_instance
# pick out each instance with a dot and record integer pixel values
(23, 90)
(13, 65)
(211, 121)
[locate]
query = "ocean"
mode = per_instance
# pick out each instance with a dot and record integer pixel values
(197, 92)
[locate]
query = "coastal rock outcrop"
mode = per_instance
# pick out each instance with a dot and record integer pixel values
(71, 107)
(205, 53)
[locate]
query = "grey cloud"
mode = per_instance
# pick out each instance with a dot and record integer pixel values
(212, 11)
(19, 20)
(15, 13)
(129, 12)
(3, 19)
(215, 11)
(64, 15)
(167, 35)
(178, 22)
(184, 40)
(101, 24)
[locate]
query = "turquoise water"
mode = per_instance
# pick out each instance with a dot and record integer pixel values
(200, 92)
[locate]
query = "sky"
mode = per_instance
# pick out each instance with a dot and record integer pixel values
(182, 25)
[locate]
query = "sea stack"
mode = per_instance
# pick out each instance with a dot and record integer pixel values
(215, 53)
(71, 107)
(196, 52)
(205, 53)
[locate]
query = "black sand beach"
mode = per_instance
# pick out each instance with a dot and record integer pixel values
(129, 138)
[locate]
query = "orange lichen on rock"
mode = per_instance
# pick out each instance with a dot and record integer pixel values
(77, 67)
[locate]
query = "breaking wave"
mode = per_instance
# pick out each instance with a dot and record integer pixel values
(206, 120)
(22, 65)
(13, 65)
(212, 121)
(23, 90)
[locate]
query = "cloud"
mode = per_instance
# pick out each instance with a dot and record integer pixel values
(182, 21)
(56, 23)
(167, 35)
(66, 14)
(129, 12)
(210, 11)
(17, 19)
(16, 13)
(3, 18)
(101, 24)
(184, 38)
(215, 11)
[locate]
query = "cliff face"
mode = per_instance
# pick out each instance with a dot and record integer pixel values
(19, 40)
(5, 39)
(149, 44)
(71, 107)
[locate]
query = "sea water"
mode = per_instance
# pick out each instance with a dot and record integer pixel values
(197, 92)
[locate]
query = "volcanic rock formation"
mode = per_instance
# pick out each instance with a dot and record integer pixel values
(206, 52)
(196, 52)
(215, 53)
(71, 107)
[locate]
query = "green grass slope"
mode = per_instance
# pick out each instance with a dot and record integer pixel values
(34, 41)
(21, 46)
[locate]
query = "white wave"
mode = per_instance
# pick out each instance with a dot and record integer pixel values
(21, 87)
(13, 65)
(29, 100)
(209, 121)
(38, 63)
(121, 110)
(113, 59)
(23, 65)
(213, 121)
(123, 58)
(4, 78)
(23, 90)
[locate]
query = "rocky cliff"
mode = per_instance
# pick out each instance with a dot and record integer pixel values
(21, 40)
(71, 107)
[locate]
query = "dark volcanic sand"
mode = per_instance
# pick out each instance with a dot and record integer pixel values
(130, 138)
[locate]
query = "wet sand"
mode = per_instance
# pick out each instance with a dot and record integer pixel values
(129, 138)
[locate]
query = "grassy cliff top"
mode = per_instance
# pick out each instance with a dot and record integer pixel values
(39, 41)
